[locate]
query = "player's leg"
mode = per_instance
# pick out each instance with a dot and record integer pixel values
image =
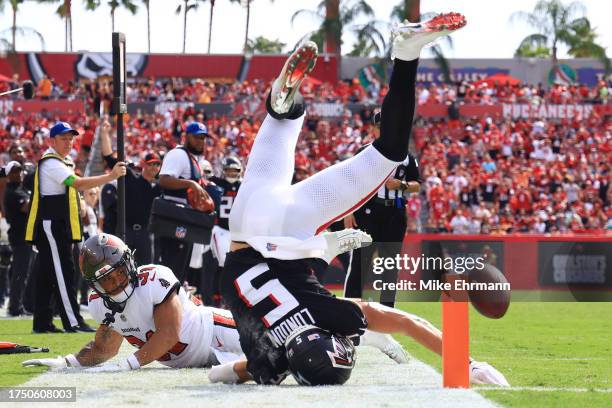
(338, 190)
(272, 157)
(226, 339)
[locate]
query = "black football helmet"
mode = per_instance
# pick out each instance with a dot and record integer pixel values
(102, 255)
(231, 163)
(317, 357)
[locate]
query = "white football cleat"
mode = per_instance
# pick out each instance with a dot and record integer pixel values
(409, 38)
(386, 344)
(484, 373)
(339, 242)
(296, 69)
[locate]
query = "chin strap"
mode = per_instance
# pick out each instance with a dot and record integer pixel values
(109, 318)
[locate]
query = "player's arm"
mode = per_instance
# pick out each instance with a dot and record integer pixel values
(174, 183)
(234, 372)
(168, 317)
(104, 347)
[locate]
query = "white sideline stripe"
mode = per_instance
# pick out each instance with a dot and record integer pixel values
(545, 389)
(376, 381)
(59, 274)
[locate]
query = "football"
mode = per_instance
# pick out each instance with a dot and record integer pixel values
(205, 205)
(492, 303)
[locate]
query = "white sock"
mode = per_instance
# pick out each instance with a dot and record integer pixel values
(223, 373)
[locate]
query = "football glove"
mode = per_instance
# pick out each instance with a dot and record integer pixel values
(57, 363)
(484, 373)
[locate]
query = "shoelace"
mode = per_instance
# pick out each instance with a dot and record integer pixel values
(348, 244)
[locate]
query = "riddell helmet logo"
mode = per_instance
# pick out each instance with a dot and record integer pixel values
(180, 232)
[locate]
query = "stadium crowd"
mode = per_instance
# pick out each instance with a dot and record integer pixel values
(347, 91)
(481, 175)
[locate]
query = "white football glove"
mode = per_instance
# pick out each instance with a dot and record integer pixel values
(130, 363)
(484, 373)
(57, 363)
(223, 373)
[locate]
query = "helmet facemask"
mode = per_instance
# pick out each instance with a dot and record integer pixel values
(114, 283)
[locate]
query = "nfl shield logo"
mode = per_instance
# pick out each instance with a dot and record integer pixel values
(271, 247)
(180, 232)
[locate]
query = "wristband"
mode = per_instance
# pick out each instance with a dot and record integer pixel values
(72, 360)
(132, 362)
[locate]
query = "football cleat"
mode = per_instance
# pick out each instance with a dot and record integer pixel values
(296, 69)
(386, 344)
(410, 38)
(339, 242)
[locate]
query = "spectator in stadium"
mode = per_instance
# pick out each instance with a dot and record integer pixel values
(45, 88)
(17, 204)
(141, 188)
(180, 172)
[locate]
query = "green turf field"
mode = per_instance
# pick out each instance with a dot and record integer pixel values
(566, 347)
(539, 345)
(20, 331)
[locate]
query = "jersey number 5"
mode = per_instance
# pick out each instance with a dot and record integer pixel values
(273, 289)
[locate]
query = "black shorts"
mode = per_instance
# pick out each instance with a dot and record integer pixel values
(270, 298)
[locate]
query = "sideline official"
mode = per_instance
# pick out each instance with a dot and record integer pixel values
(140, 190)
(384, 218)
(54, 225)
(180, 172)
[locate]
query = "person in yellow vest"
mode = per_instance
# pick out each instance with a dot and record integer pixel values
(54, 225)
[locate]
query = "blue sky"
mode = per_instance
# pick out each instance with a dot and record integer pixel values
(487, 35)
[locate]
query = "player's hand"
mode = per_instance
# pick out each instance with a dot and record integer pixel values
(119, 170)
(58, 363)
(484, 373)
(350, 221)
(393, 184)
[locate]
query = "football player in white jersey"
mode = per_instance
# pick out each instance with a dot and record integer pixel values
(148, 307)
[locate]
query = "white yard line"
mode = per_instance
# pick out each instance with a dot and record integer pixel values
(546, 389)
(376, 381)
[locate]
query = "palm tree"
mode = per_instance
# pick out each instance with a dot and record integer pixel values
(333, 19)
(262, 45)
(115, 4)
(64, 11)
(147, 4)
(212, 9)
(533, 46)
(247, 5)
(185, 7)
(580, 38)
(558, 23)
(369, 40)
(14, 8)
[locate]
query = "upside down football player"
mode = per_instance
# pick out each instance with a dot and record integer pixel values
(288, 322)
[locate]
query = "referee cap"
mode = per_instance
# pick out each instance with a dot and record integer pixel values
(197, 128)
(61, 128)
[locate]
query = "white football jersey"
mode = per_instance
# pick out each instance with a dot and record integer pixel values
(136, 323)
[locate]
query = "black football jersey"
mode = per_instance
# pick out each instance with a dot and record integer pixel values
(230, 190)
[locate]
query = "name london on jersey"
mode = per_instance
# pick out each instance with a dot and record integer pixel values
(439, 285)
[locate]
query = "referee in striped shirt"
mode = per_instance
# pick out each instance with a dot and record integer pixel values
(384, 218)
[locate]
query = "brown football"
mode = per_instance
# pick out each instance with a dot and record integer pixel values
(490, 303)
